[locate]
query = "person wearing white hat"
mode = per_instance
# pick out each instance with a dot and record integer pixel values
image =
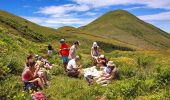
(112, 74)
(101, 61)
(95, 51)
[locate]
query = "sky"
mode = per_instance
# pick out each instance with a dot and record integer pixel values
(58, 13)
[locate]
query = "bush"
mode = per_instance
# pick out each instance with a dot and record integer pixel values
(125, 89)
(163, 75)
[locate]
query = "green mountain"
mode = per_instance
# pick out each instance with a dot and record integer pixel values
(123, 26)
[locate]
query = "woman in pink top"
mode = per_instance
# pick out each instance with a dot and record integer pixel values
(30, 75)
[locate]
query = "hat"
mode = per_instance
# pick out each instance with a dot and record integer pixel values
(77, 57)
(62, 40)
(36, 55)
(95, 44)
(101, 56)
(77, 42)
(110, 63)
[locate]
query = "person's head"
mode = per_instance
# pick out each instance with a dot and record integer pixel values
(36, 57)
(77, 58)
(76, 43)
(31, 64)
(62, 41)
(29, 58)
(111, 65)
(39, 58)
(95, 45)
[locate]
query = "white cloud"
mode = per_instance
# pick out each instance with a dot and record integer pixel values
(161, 20)
(63, 15)
(62, 9)
(165, 4)
(58, 22)
(164, 16)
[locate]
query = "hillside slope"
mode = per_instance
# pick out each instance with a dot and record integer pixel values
(123, 26)
(33, 32)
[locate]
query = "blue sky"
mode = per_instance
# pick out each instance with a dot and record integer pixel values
(57, 13)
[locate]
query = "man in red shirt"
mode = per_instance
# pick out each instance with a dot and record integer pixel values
(64, 51)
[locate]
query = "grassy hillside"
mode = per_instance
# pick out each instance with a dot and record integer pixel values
(123, 26)
(143, 74)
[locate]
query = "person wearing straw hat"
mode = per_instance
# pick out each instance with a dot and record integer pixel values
(112, 73)
(95, 52)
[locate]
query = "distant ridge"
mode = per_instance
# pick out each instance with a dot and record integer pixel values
(124, 26)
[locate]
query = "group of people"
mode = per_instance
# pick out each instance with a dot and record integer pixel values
(36, 71)
(103, 71)
(37, 68)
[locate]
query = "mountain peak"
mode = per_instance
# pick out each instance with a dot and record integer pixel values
(124, 26)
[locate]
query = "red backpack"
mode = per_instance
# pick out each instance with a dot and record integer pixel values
(38, 96)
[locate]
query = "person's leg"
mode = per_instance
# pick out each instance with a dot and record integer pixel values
(39, 82)
(76, 73)
(65, 62)
(100, 80)
(89, 79)
(65, 66)
(43, 76)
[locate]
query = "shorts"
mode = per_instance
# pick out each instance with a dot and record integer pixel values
(72, 73)
(50, 52)
(65, 59)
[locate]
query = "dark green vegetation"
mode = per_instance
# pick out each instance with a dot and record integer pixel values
(143, 74)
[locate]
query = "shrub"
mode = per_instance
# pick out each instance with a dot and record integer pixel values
(163, 75)
(125, 89)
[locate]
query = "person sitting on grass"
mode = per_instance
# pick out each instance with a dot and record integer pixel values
(95, 52)
(73, 70)
(90, 73)
(110, 73)
(102, 61)
(30, 75)
(29, 60)
(45, 66)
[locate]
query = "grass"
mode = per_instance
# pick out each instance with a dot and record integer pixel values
(143, 74)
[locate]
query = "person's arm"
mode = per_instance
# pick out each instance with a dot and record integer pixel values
(91, 52)
(71, 52)
(76, 67)
(31, 74)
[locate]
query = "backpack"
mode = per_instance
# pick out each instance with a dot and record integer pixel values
(38, 96)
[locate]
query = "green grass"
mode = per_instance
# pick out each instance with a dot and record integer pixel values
(143, 74)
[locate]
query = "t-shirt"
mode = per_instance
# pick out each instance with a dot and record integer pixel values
(64, 49)
(71, 64)
(72, 52)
